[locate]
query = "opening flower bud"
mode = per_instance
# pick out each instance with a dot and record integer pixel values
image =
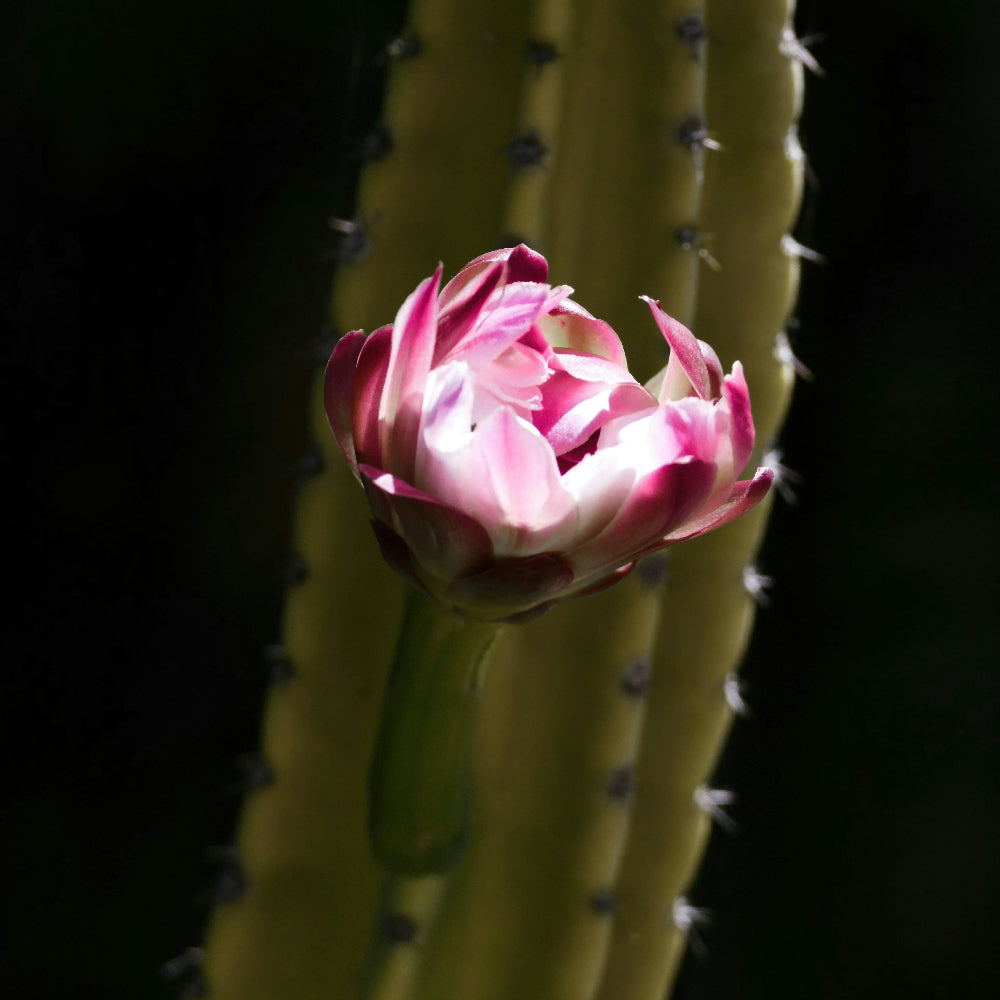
(509, 457)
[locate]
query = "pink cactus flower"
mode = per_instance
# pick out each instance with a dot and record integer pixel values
(509, 458)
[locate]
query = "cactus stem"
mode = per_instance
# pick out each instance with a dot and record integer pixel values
(420, 783)
(408, 919)
(738, 307)
(602, 88)
(613, 156)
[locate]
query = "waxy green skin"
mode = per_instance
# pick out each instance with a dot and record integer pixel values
(553, 832)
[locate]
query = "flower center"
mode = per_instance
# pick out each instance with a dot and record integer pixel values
(511, 380)
(572, 457)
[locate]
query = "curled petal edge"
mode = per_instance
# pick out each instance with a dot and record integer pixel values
(338, 379)
(737, 395)
(664, 498)
(441, 538)
(513, 589)
(605, 582)
(519, 263)
(398, 558)
(457, 319)
(506, 590)
(366, 395)
(571, 327)
(746, 494)
(685, 348)
(413, 335)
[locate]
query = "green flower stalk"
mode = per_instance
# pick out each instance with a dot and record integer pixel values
(421, 773)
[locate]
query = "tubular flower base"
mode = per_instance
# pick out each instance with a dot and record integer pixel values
(509, 458)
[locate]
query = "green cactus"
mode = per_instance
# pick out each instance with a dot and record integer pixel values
(420, 782)
(642, 149)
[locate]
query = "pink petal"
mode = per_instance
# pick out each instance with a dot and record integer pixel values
(519, 263)
(463, 309)
(395, 552)
(518, 367)
(714, 366)
(671, 383)
(697, 428)
(660, 501)
(508, 315)
(366, 394)
(600, 484)
(522, 478)
(443, 541)
(525, 264)
(512, 587)
(456, 289)
(446, 424)
(746, 494)
(571, 326)
(574, 406)
(413, 334)
(685, 347)
(513, 379)
(503, 474)
(593, 368)
(606, 581)
(337, 381)
(737, 395)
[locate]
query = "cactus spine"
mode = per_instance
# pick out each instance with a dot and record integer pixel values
(594, 145)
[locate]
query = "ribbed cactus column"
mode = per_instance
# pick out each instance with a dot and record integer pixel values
(619, 115)
(587, 128)
(314, 896)
(751, 197)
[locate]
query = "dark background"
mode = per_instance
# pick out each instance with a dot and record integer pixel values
(166, 262)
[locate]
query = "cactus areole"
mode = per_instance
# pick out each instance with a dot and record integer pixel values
(511, 460)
